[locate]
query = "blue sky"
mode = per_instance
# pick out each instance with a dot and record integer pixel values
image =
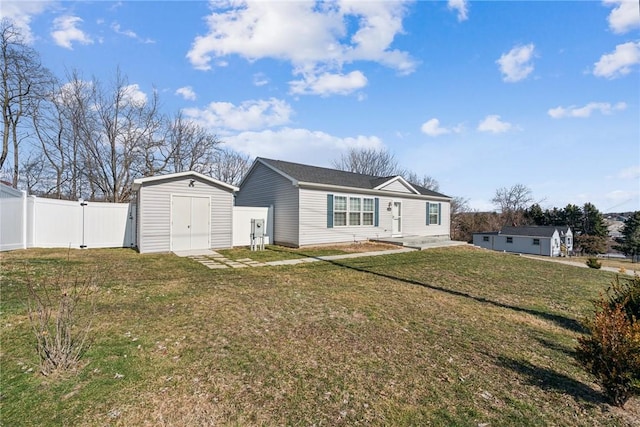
(479, 95)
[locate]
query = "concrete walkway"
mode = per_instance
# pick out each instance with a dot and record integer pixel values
(215, 260)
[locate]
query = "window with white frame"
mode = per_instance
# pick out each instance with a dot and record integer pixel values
(353, 211)
(368, 211)
(434, 213)
(339, 211)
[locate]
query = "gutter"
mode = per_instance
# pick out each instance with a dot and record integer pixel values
(316, 186)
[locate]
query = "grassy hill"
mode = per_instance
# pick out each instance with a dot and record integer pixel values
(451, 336)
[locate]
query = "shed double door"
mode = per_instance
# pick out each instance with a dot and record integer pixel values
(190, 223)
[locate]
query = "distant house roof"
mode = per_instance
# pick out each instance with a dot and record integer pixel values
(326, 176)
(533, 230)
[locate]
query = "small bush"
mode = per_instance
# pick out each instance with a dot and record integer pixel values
(626, 293)
(594, 263)
(60, 313)
(612, 350)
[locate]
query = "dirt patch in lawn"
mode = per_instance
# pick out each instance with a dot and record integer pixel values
(355, 247)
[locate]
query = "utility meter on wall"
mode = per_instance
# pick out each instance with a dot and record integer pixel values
(257, 227)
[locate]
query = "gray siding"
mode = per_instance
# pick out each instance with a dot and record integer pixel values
(521, 244)
(397, 186)
(265, 187)
(414, 218)
(154, 213)
(313, 219)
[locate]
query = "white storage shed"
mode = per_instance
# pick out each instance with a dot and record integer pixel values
(183, 211)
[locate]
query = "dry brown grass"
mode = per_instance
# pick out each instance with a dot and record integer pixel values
(443, 337)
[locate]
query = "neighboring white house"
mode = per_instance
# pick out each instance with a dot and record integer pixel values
(183, 211)
(314, 205)
(536, 240)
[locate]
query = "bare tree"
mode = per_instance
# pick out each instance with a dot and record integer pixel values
(426, 181)
(189, 146)
(230, 166)
(121, 145)
(368, 161)
(458, 207)
(23, 77)
(512, 202)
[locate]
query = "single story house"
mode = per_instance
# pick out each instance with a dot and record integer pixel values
(183, 211)
(315, 205)
(536, 240)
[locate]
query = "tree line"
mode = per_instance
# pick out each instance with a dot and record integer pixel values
(72, 137)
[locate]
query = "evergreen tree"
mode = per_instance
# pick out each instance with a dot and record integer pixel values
(629, 243)
(593, 222)
(535, 215)
(574, 216)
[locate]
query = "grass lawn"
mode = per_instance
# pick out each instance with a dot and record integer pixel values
(611, 262)
(451, 336)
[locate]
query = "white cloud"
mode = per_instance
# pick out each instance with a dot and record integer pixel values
(493, 124)
(314, 37)
(66, 31)
(432, 128)
(299, 145)
(584, 112)
(187, 93)
(129, 33)
(624, 16)
(133, 94)
(619, 62)
(328, 84)
(260, 79)
(20, 14)
(516, 64)
(632, 172)
(250, 115)
(620, 197)
(461, 6)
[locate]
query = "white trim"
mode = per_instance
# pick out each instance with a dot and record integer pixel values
(348, 211)
(171, 216)
(380, 193)
(399, 219)
(137, 183)
(401, 180)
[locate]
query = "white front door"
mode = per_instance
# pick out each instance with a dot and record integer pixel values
(190, 223)
(396, 219)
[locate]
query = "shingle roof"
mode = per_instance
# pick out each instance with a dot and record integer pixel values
(318, 175)
(533, 230)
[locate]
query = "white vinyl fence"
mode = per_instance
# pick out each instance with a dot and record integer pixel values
(13, 218)
(242, 216)
(29, 221)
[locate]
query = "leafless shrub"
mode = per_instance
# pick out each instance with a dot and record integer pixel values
(61, 313)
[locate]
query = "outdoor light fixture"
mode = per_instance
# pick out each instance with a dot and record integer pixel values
(389, 206)
(192, 183)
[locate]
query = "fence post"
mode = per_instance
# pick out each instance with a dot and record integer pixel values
(83, 204)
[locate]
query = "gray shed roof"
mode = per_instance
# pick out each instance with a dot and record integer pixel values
(533, 230)
(318, 175)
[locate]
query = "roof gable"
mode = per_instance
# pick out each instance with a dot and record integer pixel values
(299, 173)
(396, 183)
(137, 183)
